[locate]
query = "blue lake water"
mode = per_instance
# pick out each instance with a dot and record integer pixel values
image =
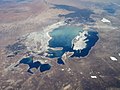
(92, 38)
(60, 61)
(63, 36)
(55, 53)
(45, 67)
(35, 64)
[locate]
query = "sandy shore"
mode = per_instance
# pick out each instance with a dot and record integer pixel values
(50, 29)
(39, 41)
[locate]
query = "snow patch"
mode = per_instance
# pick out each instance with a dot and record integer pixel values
(113, 58)
(93, 76)
(118, 54)
(105, 20)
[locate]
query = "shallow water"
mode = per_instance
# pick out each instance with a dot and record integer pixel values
(63, 36)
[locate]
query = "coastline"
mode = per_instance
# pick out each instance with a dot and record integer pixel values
(39, 41)
(49, 29)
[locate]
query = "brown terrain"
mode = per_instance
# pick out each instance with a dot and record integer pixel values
(17, 20)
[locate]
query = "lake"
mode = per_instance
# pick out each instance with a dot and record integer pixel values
(63, 36)
(34, 64)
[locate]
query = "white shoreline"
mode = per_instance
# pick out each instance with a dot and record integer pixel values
(45, 37)
(79, 41)
(49, 29)
(39, 41)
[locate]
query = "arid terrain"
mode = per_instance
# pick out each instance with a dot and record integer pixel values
(27, 23)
